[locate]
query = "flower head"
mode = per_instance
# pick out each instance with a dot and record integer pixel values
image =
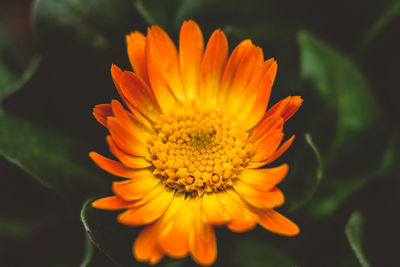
(191, 143)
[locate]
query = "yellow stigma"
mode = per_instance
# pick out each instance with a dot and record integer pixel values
(197, 152)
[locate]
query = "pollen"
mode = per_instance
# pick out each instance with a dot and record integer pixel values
(199, 152)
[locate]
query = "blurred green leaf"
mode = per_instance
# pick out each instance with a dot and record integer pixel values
(388, 15)
(155, 12)
(342, 87)
(15, 69)
(341, 190)
(254, 253)
(353, 232)
(313, 181)
(15, 228)
(55, 160)
(92, 24)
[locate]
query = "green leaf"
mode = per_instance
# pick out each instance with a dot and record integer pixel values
(155, 12)
(388, 15)
(56, 161)
(254, 253)
(15, 69)
(92, 24)
(341, 190)
(343, 89)
(14, 228)
(353, 232)
(312, 181)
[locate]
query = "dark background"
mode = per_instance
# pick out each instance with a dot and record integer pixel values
(55, 59)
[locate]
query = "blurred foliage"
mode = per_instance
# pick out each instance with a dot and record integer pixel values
(344, 68)
(354, 235)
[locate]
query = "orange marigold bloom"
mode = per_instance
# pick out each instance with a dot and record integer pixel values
(190, 146)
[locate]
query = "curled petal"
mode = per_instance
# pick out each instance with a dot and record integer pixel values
(286, 107)
(102, 112)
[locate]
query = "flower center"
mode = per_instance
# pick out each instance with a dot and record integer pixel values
(199, 152)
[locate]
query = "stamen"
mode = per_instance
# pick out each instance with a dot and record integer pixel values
(199, 152)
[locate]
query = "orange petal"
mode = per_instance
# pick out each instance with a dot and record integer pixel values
(116, 76)
(191, 46)
(267, 145)
(263, 94)
(242, 219)
(139, 95)
(101, 112)
(162, 58)
(111, 203)
(277, 154)
(212, 66)
(114, 167)
(136, 46)
(286, 107)
(213, 210)
(126, 159)
(266, 127)
(174, 238)
(276, 223)
(257, 198)
(126, 118)
(238, 74)
(135, 189)
(238, 71)
(147, 212)
(125, 139)
(264, 179)
(146, 248)
(202, 242)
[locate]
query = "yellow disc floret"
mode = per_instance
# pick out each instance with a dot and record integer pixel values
(199, 152)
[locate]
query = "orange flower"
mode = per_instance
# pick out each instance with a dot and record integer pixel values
(190, 146)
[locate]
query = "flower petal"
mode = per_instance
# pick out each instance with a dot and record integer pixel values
(266, 128)
(174, 238)
(125, 139)
(213, 210)
(267, 145)
(136, 46)
(238, 74)
(264, 179)
(137, 188)
(124, 116)
(191, 46)
(147, 212)
(114, 167)
(202, 242)
(262, 93)
(163, 63)
(276, 155)
(146, 248)
(101, 112)
(212, 66)
(242, 218)
(257, 198)
(111, 203)
(126, 159)
(276, 223)
(286, 107)
(139, 95)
